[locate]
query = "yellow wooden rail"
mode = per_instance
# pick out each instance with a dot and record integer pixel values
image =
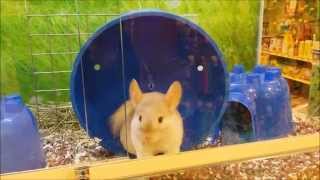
(168, 163)
(62, 172)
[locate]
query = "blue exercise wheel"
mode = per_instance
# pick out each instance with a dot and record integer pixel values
(155, 48)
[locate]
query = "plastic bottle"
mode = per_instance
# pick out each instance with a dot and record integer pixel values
(21, 147)
(287, 111)
(253, 91)
(234, 78)
(238, 70)
(260, 69)
(271, 118)
(253, 82)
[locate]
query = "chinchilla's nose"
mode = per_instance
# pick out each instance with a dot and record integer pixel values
(147, 127)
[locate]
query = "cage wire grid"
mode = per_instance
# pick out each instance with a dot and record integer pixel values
(81, 34)
(56, 116)
(55, 107)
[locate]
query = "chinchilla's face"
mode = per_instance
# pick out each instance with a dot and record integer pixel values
(154, 110)
(153, 113)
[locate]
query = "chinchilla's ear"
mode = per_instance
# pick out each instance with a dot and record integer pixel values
(173, 95)
(135, 92)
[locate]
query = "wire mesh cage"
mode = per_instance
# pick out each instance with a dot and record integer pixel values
(53, 49)
(54, 37)
(51, 66)
(54, 34)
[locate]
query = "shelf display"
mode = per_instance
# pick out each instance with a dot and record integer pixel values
(290, 39)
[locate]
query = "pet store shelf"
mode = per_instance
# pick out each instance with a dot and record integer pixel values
(297, 80)
(288, 57)
(162, 164)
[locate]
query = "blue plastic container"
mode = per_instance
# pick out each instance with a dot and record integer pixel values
(253, 82)
(260, 69)
(253, 91)
(262, 101)
(21, 148)
(237, 73)
(272, 108)
(234, 78)
(287, 123)
(157, 49)
(237, 122)
(238, 69)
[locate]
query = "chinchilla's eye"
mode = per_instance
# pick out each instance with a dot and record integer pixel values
(140, 118)
(160, 119)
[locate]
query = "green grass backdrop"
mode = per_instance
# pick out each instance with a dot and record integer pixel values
(233, 24)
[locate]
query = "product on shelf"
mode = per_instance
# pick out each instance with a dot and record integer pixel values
(294, 71)
(287, 44)
(305, 74)
(300, 30)
(274, 62)
(264, 59)
(279, 45)
(290, 7)
(301, 7)
(307, 30)
(266, 43)
(316, 56)
(308, 49)
(290, 68)
(273, 44)
(301, 49)
(265, 28)
(315, 50)
(315, 44)
(285, 69)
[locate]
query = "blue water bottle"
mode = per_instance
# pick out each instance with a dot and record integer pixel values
(21, 148)
(287, 111)
(271, 119)
(238, 69)
(253, 82)
(239, 72)
(253, 91)
(260, 69)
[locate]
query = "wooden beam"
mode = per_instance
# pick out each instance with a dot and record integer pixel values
(225, 154)
(168, 163)
(55, 173)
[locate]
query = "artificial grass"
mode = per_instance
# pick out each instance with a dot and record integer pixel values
(232, 24)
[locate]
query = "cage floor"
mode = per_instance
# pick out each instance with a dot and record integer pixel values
(65, 145)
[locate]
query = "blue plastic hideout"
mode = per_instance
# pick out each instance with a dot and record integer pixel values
(156, 48)
(258, 107)
(20, 145)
